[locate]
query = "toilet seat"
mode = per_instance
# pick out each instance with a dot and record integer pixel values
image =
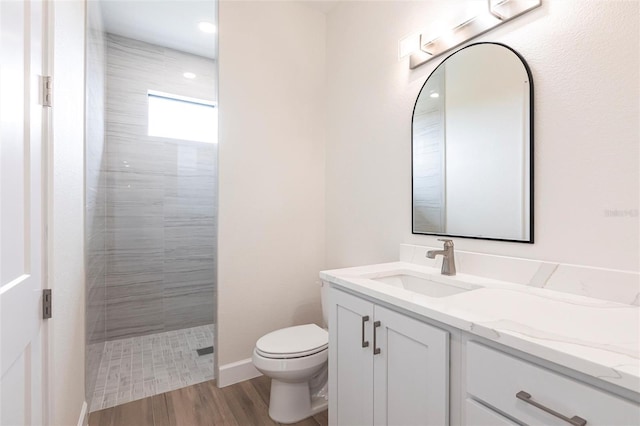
(293, 342)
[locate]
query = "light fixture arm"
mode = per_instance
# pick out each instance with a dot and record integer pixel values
(497, 14)
(492, 12)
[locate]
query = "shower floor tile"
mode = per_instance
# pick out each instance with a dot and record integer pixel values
(138, 367)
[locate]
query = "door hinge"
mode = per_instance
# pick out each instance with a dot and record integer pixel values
(46, 91)
(46, 303)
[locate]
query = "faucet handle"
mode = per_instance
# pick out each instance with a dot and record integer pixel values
(447, 242)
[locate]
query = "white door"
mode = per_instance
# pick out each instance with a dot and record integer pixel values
(22, 197)
(350, 360)
(411, 372)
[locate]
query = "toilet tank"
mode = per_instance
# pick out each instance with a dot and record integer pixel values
(324, 300)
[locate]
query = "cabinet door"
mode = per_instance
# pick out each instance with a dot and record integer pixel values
(350, 361)
(411, 372)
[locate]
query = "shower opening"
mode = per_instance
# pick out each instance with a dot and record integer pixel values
(151, 200)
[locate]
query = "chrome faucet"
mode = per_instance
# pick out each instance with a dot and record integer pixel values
(448, 261)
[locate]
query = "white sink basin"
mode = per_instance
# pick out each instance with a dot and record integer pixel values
(425, 285)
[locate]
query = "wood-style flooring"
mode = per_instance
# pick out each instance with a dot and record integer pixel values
(242, 404)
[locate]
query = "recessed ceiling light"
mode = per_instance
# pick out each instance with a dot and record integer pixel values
(433, 95)
(207, 27)
(189, 75)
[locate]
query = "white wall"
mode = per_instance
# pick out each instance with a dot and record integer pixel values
(584, 60)
(66, 237)
(271, 159)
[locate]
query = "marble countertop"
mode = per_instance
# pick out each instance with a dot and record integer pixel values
(593, 336)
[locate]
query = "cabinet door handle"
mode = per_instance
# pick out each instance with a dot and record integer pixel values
(365, 344)
(524, 396)
(376, 349)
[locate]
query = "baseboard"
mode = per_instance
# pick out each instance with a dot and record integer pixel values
(236, 372)
(83, 420)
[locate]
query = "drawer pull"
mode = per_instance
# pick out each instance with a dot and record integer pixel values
(376, 349)
(524, 396)
(365, 344)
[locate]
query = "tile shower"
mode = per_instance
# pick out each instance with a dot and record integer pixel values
(150, 225)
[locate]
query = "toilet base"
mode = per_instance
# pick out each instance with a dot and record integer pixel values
(292, 402)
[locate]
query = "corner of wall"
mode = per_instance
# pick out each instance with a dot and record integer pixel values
(66, 216)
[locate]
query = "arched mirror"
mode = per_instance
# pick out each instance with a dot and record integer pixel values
(472, 147)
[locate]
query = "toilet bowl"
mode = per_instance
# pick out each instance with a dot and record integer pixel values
(295, 358)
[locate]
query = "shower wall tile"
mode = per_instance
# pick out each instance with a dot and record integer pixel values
(133, 266)
(129, 157)
(179, 213)
(188, 291)
(189, 159)
(134, 172)
(176, 63)
(123, 131)
(148, 220)
(128, 232)
(189, 306)
(161, 193)
(133, 180)
(133, 58)
(189, 240)
(126, 202)
(134, 309)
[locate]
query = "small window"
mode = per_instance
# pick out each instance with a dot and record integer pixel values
(177, 117)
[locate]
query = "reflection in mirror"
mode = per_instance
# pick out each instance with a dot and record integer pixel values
(472, 145)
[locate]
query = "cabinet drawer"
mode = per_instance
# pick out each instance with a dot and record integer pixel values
(477, 414)
(495, 378)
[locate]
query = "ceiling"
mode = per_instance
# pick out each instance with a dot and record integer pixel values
(169, 23)
(174, 23)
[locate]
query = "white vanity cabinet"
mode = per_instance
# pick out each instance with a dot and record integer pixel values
(484, 352)
(385, 368)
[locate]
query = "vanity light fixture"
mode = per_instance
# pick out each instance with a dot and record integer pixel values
(207, 27)
(189, 75)
(497, 13)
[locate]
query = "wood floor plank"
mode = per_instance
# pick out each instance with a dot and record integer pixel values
(101, 418)
(138, 413)
(263, 387)
(159, 410)
(246, 405)
(250, 390)
(322, 418)
(216, 406)
(204, 404)
(184, 407)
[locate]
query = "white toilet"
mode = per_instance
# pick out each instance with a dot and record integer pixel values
(295, 358)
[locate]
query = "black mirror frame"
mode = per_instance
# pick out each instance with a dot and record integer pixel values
(531, 152)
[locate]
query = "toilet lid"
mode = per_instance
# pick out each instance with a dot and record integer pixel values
(300, 340)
